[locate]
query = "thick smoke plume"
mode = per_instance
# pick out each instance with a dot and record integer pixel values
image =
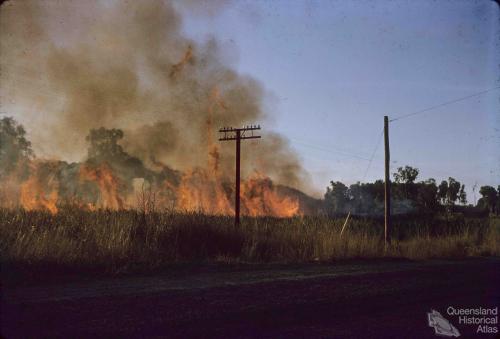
(69, 67)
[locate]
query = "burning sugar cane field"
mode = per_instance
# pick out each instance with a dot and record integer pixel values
(132, 144)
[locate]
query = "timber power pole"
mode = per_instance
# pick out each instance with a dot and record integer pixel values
(238, 134)
(387, 185)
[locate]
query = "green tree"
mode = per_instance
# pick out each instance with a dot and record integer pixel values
(103, 144)
(489, 198)
(361, 198)
(336, 198)
(427, 195)
(404, 183)
(406, 175)
(443, 192)
(462, 196)
(453, 190)
(376, 190)
(498, 200)
(104, 147)
(14, 147)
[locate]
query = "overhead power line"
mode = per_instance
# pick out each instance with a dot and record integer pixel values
(443, 104)
(373, 155)
(328, 150)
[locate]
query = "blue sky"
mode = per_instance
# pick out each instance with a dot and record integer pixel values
(335, 68)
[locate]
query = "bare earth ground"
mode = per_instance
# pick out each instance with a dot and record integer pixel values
(379, 299)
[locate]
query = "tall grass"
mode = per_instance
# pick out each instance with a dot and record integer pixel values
(126, 240)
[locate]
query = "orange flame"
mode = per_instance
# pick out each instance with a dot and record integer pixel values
(260, 198)
(108, 185)
(32, 192)
(200, 192)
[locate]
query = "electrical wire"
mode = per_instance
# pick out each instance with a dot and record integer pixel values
(325, 149)
(373, 155)
(404, 116)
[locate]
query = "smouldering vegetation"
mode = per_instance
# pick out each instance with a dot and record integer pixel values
(110, 241)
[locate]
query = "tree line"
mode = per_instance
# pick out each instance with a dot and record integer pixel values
(408, 196)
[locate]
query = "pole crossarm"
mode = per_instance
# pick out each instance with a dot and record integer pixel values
(241, 138)
(230, 133)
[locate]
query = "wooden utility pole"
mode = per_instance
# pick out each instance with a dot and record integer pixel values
(387, 185)
(237, 189)
(238, 134)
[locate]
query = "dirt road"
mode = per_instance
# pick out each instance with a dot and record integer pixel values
(348, 300)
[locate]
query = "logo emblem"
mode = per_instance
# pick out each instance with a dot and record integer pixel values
(441, 325)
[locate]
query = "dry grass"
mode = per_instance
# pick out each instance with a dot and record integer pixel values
(108, 241)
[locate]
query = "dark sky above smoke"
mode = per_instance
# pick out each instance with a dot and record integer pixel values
(70, 66)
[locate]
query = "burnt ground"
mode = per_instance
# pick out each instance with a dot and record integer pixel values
(380, 299)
